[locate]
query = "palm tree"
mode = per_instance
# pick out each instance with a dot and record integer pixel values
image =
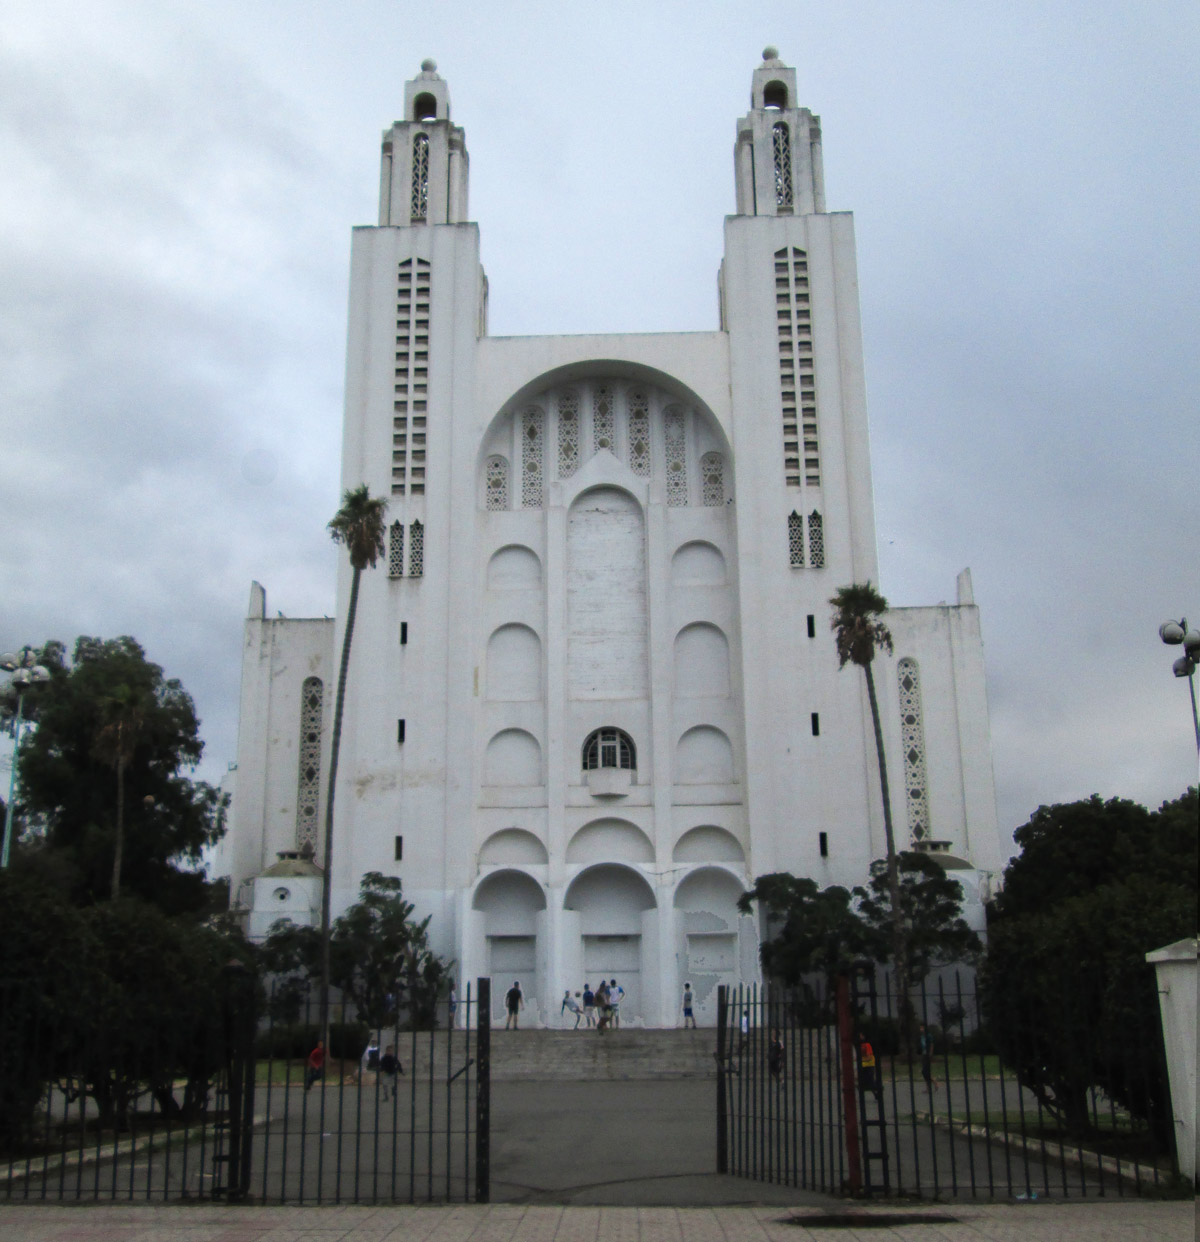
(124, 715)
(860, 633)
(359, 524)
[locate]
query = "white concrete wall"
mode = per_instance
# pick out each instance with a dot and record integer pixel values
(1179, 1004)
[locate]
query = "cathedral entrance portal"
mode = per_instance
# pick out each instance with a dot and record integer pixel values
(511, 902)
(616, 908)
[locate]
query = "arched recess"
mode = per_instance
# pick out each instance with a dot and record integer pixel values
(514, 665)
(698, 563)
(513, 846)
(610, 900)
(710, 890)
(704, 756)
(606, 597)
(708, 843)
(701, 662)
(514, 568)
(511, 901)
(513, 758)
(610, 840)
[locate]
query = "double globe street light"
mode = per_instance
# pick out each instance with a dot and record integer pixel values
(26, 673)
(1175, 634)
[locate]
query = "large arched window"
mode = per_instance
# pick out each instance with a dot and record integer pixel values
(609, 748)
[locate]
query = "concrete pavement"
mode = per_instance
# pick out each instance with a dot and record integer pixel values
(1131, 1220)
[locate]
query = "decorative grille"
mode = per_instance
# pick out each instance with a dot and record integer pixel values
(420, 177)
(781, 145)
(308, 793)
(416, 550)
(797, 381)
(568, 433)
(795, 540)
(532, 437)
(497, 483)
(602, 419)
(712, 475)
(639, 434)
(676, 446)
(609, 748)
(912, 733)
(396, 550)
(816, 541)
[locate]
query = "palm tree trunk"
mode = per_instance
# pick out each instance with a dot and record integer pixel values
(120, 846)
(899, 947)
(327, 877)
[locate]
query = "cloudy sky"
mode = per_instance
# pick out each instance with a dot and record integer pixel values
(177, 186)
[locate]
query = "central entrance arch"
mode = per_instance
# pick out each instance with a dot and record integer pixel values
(616, 909)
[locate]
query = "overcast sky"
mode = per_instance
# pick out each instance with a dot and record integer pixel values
(178, 182)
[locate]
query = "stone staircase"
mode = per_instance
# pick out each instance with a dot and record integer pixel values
(572, 1056)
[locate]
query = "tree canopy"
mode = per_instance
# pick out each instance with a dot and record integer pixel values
(830, 930)
(379, 957)
(110, 705)
(1067, 993)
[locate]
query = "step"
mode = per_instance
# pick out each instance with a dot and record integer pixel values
(582, 1055)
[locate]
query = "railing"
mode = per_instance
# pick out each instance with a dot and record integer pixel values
(949, 1107)
(236, 1110)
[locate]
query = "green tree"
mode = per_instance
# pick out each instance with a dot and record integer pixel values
(859, 634)
(44, 944)
(359, 524)
(1067, 994)
(810, 929)
(379, 957)
(110, 708)
(931, 907)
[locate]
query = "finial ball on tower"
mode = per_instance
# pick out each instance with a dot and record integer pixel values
(770, 53)
(429, 65)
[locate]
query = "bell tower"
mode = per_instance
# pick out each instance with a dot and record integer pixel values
(423, 174)
(777, 159)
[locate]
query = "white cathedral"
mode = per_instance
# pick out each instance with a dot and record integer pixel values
(593, 691)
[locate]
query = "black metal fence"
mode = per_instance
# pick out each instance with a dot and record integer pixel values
(240, 1109)
(839, 1093)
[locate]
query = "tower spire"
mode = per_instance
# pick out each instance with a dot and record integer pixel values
(777, 159)
(423, 174)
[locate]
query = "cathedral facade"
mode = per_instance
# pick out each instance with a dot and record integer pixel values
(593, 690)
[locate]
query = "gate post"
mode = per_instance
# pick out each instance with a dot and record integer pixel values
(849, 1103)
(483, 1091)
(722, 1105)
(240, 1027)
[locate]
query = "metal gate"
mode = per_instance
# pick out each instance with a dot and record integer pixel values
(816, 1089)
(238, 1113)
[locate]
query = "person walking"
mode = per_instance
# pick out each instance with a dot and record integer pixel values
(589, 1005)
(452, 1005)
(389, 1067)
(925, 1048)
(616, 994)
(688, 1017)
(602, 1008)
(866, 1066)
(514, 1002)
(775, 1057)
(316, 1065)
(571, 1005)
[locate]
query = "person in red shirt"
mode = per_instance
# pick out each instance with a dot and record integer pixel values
(316, 1065)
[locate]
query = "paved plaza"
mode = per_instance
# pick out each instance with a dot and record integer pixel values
(1121, 1221)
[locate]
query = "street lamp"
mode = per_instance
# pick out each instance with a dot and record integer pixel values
(1175, 633)
(26, 672)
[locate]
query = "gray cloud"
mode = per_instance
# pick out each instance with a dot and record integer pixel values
(179, 186)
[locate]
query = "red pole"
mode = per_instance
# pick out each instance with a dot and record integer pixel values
(849, 1102)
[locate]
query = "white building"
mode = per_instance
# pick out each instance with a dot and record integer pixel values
(593, 691)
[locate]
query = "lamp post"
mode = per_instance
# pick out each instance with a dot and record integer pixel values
(26, 672)
(1174, 634)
